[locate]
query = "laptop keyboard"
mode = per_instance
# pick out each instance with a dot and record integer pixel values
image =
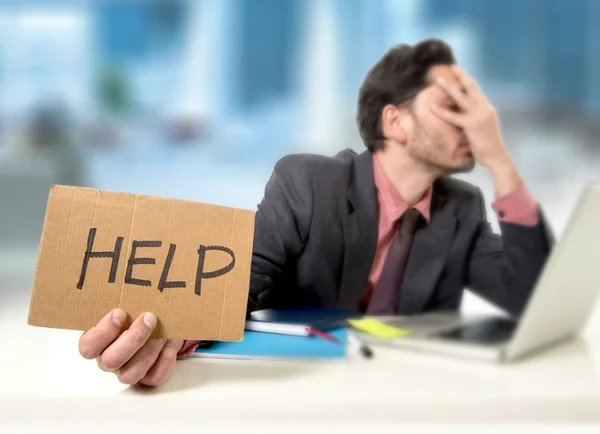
(486, 331)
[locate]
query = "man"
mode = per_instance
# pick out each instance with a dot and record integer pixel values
(386, 231)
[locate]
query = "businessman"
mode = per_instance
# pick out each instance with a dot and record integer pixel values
(386, 231)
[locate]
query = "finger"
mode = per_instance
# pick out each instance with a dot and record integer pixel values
(467, 82)
(129, 343)
(93, 342)
(137, 367)
(448, 116)
(144, 352)
(163, 367)
(454, 91)
(101, 365)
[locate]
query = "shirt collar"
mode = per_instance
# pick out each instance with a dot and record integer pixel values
(391, 199)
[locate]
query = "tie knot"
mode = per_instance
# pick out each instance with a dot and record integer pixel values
(409, 221)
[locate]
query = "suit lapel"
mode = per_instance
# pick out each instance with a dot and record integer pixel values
(429, 251)
(360, 232)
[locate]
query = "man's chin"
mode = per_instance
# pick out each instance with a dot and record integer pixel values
(464, 168)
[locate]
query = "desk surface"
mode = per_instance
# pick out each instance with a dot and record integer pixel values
(42, 373)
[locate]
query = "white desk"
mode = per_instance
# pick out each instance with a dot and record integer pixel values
(43, 379)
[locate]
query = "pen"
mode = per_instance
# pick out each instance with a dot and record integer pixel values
(321, 334)
(365, 350)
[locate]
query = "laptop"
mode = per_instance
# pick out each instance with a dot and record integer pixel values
(559, 307)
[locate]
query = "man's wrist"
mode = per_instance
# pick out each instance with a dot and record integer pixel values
(187, 348)
(505, 176)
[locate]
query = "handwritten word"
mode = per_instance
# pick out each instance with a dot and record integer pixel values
(133, 260)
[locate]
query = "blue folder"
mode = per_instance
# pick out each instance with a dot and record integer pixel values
(259, 345)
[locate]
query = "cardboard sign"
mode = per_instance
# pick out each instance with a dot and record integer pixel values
(186, 262)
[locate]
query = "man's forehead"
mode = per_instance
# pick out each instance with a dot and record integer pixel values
(442, 71)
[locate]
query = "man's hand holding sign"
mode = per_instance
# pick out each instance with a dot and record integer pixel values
(139, 274)
(133, 356)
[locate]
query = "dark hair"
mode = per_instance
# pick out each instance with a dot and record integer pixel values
(396, 79)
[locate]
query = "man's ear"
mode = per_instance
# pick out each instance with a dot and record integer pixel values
(391, 123)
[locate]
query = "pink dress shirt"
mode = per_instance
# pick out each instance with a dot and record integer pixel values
(518, 207)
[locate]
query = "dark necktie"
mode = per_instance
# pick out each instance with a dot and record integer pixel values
(384, 299)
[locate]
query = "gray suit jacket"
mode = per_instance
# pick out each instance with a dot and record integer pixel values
(316, 234)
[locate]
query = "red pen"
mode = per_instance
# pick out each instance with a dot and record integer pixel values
(321, 334)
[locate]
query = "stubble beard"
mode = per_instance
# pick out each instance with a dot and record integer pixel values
(428, 151)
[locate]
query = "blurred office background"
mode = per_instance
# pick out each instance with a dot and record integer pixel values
(197, 99)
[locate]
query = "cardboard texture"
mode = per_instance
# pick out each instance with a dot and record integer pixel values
(186, 262)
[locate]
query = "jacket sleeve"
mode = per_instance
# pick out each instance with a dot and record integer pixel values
(282, 223)
(504, 268)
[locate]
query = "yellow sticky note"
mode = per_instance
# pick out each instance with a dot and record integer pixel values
(379, 329)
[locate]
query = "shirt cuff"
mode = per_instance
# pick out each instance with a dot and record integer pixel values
(518, 207)
(188, 348)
